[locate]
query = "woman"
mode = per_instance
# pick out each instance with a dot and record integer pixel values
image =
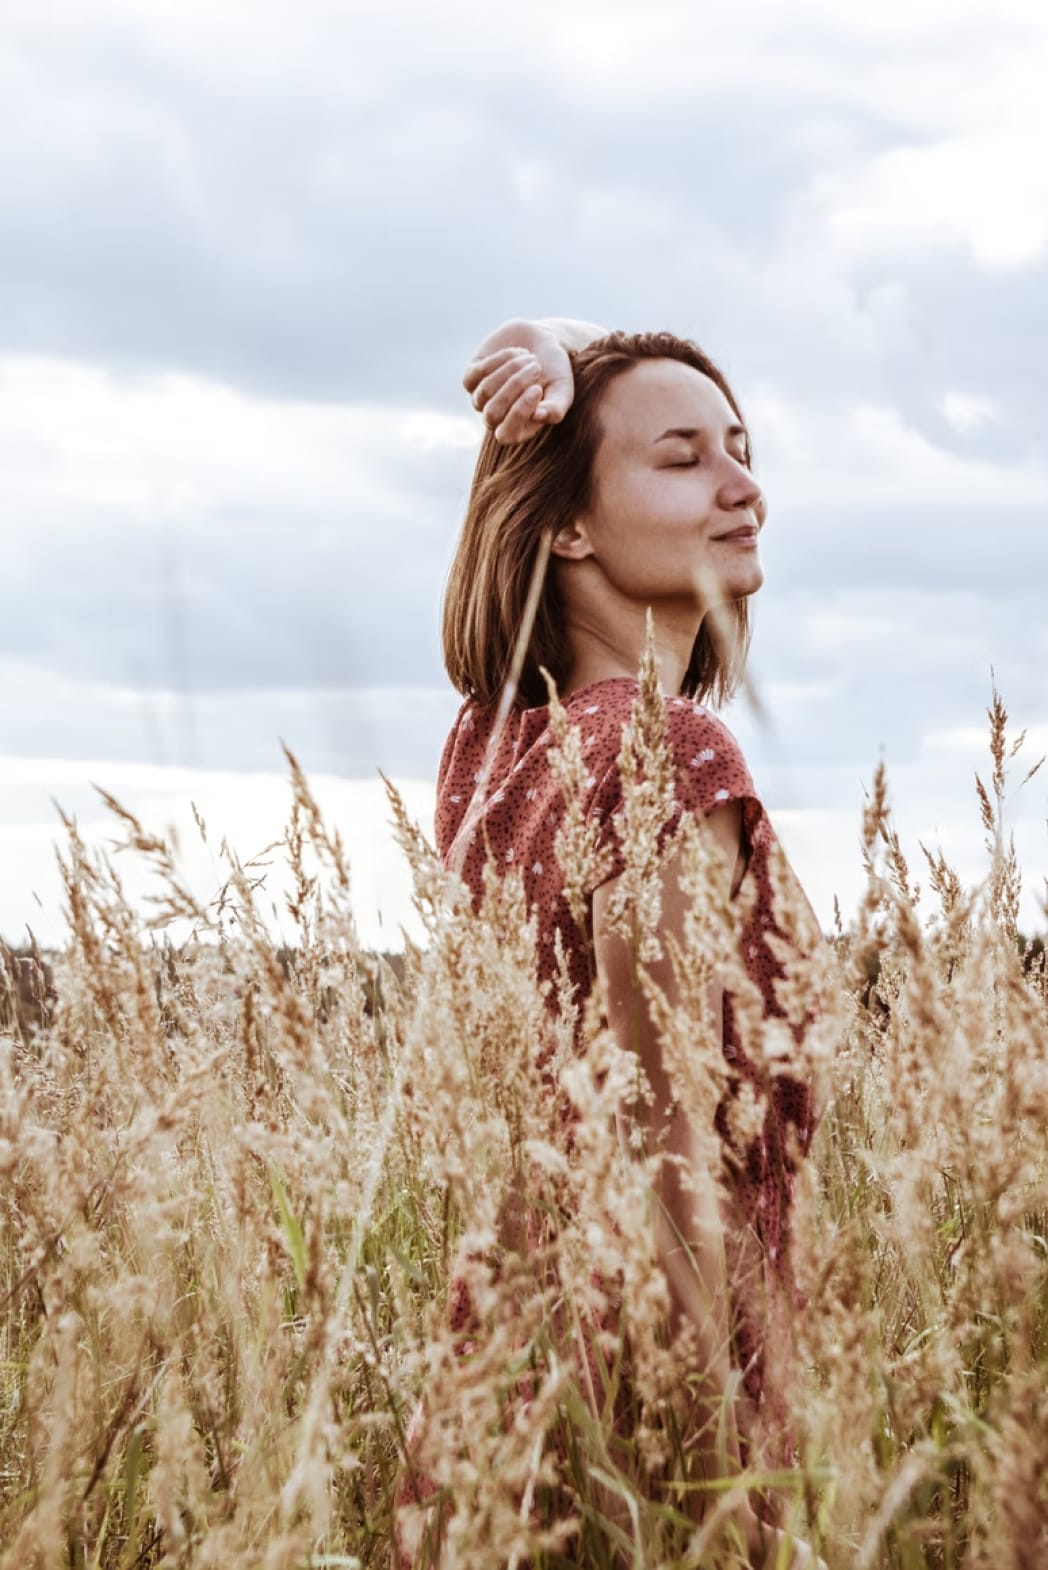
(616, 478)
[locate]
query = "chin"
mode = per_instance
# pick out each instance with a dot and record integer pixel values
(740, 586)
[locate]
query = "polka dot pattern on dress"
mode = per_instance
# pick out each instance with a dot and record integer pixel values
(520, 818)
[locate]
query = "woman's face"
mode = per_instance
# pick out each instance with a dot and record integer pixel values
(674, 513)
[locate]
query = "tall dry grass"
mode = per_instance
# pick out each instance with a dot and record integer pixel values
(235, 1192)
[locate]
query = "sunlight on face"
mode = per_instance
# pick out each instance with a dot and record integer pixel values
(675, 511)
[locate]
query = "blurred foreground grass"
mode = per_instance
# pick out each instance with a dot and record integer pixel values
(235, 1179)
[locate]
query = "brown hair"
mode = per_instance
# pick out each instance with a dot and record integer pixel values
(525, 491)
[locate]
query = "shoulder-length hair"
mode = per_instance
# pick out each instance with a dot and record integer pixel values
(523, 492)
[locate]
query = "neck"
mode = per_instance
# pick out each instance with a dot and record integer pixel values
(598, 655)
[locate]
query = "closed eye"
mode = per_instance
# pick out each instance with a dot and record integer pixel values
(691, 462)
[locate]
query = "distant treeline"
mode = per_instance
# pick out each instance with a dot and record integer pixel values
(28, 997)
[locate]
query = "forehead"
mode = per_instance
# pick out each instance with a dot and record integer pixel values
(652, 395)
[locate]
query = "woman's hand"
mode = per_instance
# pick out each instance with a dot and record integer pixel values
(520, 388)
(521, 377)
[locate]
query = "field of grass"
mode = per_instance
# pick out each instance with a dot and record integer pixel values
(236, 1182)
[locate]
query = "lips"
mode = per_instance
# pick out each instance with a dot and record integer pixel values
(747, 533)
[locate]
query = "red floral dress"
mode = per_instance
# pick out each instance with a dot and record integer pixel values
(522, 811)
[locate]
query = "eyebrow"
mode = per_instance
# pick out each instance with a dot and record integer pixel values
(694, 430)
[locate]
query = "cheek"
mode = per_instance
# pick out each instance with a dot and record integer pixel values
(683, 498)
(666, 501)
(647, 520)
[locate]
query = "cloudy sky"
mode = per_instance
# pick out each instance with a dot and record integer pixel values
(248, 249)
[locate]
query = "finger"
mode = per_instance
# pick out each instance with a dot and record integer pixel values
(520, 423)
(510, 387)
(556, 400)
(481, 365)
(505, 381)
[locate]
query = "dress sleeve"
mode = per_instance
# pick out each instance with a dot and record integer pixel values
(709, 770)
(449, 748)
(447, 810)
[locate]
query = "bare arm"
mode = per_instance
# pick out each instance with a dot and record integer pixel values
(688, 1226)
(689, 1233)
(691, 1213)
(571, 333)
(525, 332)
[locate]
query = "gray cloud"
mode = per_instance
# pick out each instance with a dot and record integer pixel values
(338, 220)
(347, 222)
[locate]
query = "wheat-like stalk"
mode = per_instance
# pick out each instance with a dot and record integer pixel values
(245, 1187)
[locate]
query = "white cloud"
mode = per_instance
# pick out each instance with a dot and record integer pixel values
(182, 532)
(160, 443)
(986, 191)
(968, 411)
(866, 456)
(250, 810)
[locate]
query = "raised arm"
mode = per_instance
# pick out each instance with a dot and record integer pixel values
(520, 375)
(522, 332)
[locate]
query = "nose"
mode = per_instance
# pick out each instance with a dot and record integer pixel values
(741, 492)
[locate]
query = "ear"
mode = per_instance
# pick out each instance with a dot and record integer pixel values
(571, 542)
